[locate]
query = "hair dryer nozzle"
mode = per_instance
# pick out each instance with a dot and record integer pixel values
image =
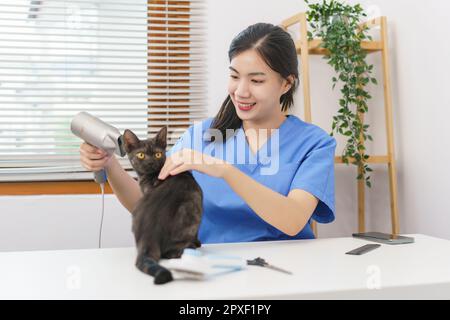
(97, 133)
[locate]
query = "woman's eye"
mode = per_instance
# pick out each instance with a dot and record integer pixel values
(158, 155)
(233, 76)
(140, 155)
(257, 81)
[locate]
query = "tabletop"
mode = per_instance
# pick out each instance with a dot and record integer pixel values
(320, 267)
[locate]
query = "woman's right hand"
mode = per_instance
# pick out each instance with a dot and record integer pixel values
(93, 158)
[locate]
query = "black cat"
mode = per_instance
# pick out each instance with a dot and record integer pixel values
(167, 217)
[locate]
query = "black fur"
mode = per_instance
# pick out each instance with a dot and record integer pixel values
(167, 217)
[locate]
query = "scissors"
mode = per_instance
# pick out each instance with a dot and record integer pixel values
(263, 263)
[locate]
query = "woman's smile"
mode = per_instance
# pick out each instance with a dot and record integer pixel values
(245, 106)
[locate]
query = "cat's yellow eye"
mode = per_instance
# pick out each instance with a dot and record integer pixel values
(158, 155)
(140, 155)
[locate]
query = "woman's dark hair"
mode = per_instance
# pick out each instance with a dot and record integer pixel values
(277, 49)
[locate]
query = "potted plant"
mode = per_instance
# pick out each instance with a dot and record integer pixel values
(338, 26)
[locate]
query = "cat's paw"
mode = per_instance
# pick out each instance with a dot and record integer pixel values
(162, 276)
(195, 244)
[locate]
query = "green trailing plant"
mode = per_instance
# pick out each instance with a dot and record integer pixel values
(337, 25)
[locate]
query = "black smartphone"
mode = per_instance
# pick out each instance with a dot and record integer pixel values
(364, 249)
(386, 238)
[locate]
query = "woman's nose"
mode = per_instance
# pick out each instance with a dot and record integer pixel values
(242, 90)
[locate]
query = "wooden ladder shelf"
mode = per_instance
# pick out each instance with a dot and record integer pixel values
(304, 49)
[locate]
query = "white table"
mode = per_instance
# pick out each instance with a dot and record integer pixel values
(321, 270)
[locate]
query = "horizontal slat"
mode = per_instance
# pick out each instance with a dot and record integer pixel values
(55, 130)
(146, 93)
(190, 103)
(193, 5)
(189, 21)
(56, 141)
(180, 43)
(100, 36)
(142, 132)
(172, 9)
(100, 70)
(39, 125)
(144, 54)
(131, 112)
(64, 129)
(193, 64)
(195, 15)
(44, 183)
(131, 123)
(151, 23)
(39, 119)
(105, 110)
(190, 84)
(53, 144)
(122, 30)
(171, 132)
(138, 122)
(41, 150)
(150, 78)
(62, 136)
(175, 59)
(192, 12)
(143, 6)
(36, 169)
(25, 149)
(75, 49)
(148, 87)
(106, 95)
(107, 2)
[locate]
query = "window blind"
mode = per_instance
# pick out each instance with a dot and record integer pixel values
(136, 64)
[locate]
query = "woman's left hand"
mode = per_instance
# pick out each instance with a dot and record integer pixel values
(188, 159)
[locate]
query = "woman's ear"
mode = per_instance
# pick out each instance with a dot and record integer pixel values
(288, 83)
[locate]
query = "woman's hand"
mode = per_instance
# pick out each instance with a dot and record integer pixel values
(188, 159)
(93, 158)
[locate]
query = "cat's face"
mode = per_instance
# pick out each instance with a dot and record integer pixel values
(146, 156)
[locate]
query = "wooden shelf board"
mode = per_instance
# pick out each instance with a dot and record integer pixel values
(315, 49)
(372, 159)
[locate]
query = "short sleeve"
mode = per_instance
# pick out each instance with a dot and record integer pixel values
(316, 176)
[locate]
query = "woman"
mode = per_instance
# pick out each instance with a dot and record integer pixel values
(249, 195)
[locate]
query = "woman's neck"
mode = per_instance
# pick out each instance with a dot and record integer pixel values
(268, 124)
(257, 133)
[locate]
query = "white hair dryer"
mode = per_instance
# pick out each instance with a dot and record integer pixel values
(99, 134)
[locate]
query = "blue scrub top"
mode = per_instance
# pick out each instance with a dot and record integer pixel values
(302, 157)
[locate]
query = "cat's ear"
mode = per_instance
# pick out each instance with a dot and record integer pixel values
(131, 140)
(161, 138)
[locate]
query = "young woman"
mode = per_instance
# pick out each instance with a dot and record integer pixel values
(249, 195)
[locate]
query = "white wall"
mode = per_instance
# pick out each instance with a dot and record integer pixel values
(62, 222)
(419, 52)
